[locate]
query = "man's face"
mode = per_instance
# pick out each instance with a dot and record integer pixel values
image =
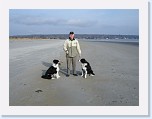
(71, 36)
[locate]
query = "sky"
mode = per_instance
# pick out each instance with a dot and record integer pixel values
(81, 21)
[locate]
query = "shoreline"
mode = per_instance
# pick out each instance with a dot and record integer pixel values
(117, 42)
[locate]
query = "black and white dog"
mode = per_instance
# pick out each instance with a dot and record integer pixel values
(86, 68)
(53, 71)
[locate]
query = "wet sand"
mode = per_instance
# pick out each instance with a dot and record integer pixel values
(116, 80)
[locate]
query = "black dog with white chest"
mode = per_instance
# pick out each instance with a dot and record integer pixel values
(86, 68)
(53, 71)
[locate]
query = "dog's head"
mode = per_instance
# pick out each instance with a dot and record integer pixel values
(56, 61)
(82, 60)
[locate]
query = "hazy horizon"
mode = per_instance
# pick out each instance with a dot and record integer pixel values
(75, 34)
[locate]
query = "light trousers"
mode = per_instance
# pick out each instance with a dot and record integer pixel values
(71, 60)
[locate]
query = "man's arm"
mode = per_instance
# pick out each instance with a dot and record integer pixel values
(65, 47)
(78, 48)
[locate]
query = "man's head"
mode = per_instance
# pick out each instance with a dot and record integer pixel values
(71, 35)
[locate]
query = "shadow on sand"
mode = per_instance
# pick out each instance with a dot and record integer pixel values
(62, 69)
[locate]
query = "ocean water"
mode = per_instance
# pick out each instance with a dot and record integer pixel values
(113, 40)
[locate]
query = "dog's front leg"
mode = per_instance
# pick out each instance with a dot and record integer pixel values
(57, 75)
(85, 76)
(82, 73)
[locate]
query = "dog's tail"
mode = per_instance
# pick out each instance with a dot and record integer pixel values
(92, 73)
(46, 77)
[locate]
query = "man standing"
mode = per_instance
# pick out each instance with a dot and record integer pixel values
(72, 49)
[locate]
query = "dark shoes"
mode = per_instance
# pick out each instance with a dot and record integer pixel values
(67, 75)
(75, 74)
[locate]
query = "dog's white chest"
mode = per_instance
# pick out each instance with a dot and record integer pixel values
(84, 66)
(57, 68)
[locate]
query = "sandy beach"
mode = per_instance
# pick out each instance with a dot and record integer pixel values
(116, 80)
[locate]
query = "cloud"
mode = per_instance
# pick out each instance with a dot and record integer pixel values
(28, 20)
(80, 23)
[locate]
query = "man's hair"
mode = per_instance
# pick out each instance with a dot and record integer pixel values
(71, 32)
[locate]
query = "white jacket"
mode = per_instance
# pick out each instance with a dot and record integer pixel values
(72, 47)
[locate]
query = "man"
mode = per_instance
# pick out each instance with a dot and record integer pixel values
(72, 49)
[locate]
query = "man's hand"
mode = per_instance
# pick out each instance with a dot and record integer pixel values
(67, 52)
(79, 55)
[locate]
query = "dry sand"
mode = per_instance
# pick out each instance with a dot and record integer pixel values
(116, 82)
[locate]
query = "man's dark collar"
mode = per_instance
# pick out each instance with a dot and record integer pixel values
(71, 39)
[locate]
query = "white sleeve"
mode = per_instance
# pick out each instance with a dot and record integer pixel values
(65, 46)
(78, 48)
